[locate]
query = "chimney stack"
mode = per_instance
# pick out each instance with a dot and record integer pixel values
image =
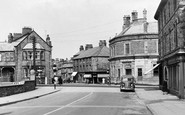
(26, 30)
(134, 15)
(81, 48)
(48, 40)
(102, 43)
(126, 20)
(88, 46)
(145, 14)
(145, 27)
(10, 38)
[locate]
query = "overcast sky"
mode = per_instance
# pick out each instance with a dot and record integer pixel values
(70, 23)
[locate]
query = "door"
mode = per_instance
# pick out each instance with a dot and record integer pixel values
(140, 74)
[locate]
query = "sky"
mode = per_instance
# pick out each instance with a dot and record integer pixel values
(71, 23)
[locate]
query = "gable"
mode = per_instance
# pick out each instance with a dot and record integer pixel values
(40, 43)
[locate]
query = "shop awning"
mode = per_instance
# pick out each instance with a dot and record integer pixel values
(103, 75)
(74, 73)
(87, 76)
(151, 69)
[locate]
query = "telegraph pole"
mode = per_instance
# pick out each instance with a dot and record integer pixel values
(34, 50)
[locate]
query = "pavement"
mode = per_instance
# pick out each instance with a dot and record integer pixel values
(38, 92)
(160, 103)
(154, 99)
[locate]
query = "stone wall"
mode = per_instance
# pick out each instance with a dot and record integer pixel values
(17, 88)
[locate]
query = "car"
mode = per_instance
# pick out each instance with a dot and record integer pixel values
(127, 83)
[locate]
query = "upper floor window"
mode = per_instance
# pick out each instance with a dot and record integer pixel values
(127, 48)
(7, 56)
(28, 55)
(174, 4)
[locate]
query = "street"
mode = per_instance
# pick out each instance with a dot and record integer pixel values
(80, 101)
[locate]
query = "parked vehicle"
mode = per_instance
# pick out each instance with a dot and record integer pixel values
(127, 83)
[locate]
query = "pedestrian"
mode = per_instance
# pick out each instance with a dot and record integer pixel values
(55, 81)
(60, 80)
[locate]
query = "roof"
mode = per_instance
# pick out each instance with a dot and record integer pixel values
(160, 7)
(137, 27)
(5, 46)
(67, 65)
(94, 52)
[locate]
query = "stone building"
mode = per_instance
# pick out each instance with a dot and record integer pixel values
(65, 70)
(16, 57)
(171, 21)
(135, 50)
(91, 64)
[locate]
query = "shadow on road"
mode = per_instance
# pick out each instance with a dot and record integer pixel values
(7, 113)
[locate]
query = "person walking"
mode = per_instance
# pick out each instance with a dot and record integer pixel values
(60, 80)
(55, 81)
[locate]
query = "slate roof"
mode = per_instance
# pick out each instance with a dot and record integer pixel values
(137, 27)
(5, 46)
(93, 52)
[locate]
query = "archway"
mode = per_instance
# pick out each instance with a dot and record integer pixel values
(8, 74)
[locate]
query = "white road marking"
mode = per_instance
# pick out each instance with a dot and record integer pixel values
(68, 104)
(105, 106)
(75, 106)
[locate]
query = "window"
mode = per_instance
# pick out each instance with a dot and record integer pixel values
(42, 55)
(0, 57)
(128, 71)
(127, 48)
(174, 4)
(119, 73)
(30, 55)
(24, 55)
(155, 71)
(140, 72)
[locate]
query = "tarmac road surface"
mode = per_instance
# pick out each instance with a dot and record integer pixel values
(80, 101)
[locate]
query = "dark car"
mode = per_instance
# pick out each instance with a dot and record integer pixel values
(127, 83)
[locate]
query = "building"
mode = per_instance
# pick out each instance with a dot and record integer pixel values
(66, 70)
(171, 21)
(91, 64)
(135, 50)
(17, 57)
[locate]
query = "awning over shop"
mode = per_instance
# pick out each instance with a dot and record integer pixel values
(87, 76)
(103, 75)
(151, 69)
(74, 73)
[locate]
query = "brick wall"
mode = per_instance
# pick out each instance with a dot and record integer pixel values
(15, 89)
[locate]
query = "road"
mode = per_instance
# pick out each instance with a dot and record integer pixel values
(80, 101)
